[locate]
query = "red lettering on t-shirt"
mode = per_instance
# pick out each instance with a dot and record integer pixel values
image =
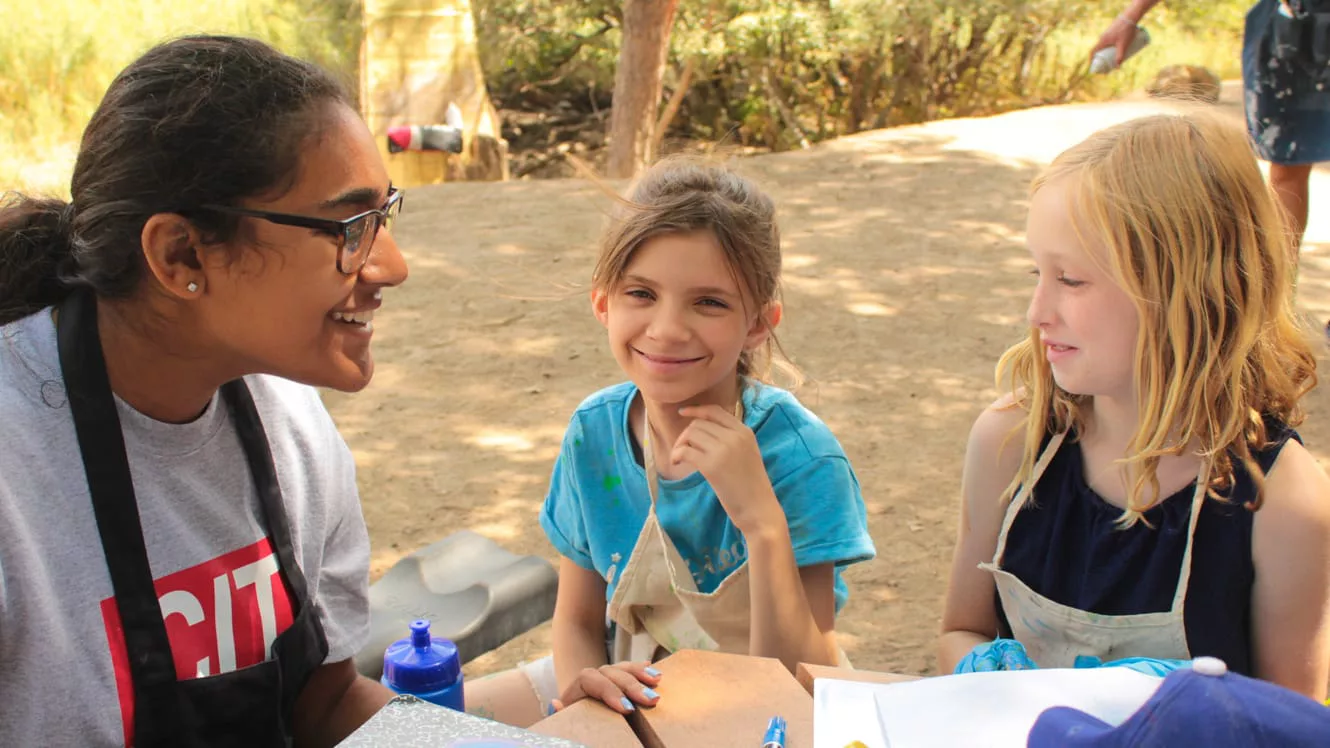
(220, 615)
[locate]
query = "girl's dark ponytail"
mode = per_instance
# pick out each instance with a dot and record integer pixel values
(36, 254)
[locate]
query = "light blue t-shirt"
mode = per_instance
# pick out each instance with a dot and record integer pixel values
(598, 499)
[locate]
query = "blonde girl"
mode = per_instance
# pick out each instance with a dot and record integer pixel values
(1139, 490)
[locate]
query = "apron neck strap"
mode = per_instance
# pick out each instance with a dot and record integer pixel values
(106, 466)
(1026, 490)
(1197, 502)
(258, 453)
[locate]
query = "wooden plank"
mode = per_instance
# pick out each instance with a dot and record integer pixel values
(716, 699)
(806, 674)
(591, 723)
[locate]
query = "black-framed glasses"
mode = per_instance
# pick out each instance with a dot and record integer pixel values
(355, 235)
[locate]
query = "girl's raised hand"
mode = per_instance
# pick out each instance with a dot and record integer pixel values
(720, 447)
(618, 686)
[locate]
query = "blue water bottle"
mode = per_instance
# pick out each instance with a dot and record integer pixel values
(426, 667)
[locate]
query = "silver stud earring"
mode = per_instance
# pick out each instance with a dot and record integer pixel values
(192, 287)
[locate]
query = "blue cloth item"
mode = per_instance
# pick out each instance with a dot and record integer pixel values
(1146, 665)
(999, 654)
(1201, 706)
(598, 500)
(1066, 546)
(1286, 80)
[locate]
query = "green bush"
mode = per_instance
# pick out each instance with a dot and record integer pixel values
(58, 56)
(767, 72)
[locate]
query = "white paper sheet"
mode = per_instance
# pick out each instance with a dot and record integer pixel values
(988, 710)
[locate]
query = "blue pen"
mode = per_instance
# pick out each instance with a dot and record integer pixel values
(775, 737)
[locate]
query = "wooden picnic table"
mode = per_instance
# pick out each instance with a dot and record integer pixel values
(711, 700)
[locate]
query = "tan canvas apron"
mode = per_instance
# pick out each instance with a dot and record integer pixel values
(1054, 634)
(657, 605)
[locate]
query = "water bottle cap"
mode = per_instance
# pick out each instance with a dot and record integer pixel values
(421, 663)
(419, 633)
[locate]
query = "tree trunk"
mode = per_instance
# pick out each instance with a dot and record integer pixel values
(637, 81)
(672, 106)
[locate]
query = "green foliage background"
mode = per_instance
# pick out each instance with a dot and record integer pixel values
(765, 71)
(839, 66)
(58, 56)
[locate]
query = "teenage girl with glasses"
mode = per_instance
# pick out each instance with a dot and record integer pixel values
(183, 559)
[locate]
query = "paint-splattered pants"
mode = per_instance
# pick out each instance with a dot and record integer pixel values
(1286, 80)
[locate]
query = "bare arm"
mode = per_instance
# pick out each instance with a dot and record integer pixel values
(335, 702)
(793, 615)
(580, 662)
(579, 622)
(580, 666)
(1137, 9)
(1123, 28)
(992, 457)
(1291, 594)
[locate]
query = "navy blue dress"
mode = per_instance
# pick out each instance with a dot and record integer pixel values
(1065, 546)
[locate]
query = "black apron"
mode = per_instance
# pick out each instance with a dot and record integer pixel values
(249, 707)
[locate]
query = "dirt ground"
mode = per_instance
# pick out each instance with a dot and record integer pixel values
(905, 278)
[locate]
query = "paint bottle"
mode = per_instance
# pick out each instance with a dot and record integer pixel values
(1105, 60)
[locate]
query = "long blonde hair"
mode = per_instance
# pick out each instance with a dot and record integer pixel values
(1195, 237)
(680, 195)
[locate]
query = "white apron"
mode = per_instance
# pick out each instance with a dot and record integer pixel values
(1054, 634)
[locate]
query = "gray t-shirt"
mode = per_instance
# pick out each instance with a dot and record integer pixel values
(64, 678)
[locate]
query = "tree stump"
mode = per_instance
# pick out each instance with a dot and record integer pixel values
(1185, 82)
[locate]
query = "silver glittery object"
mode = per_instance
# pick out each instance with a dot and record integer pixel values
(408, 722)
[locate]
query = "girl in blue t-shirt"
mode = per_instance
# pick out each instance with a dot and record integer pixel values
(1111, 497)
(695, 505)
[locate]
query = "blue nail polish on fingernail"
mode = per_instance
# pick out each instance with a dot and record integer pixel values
(650, 694)
(654, 673)
(626, 703)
